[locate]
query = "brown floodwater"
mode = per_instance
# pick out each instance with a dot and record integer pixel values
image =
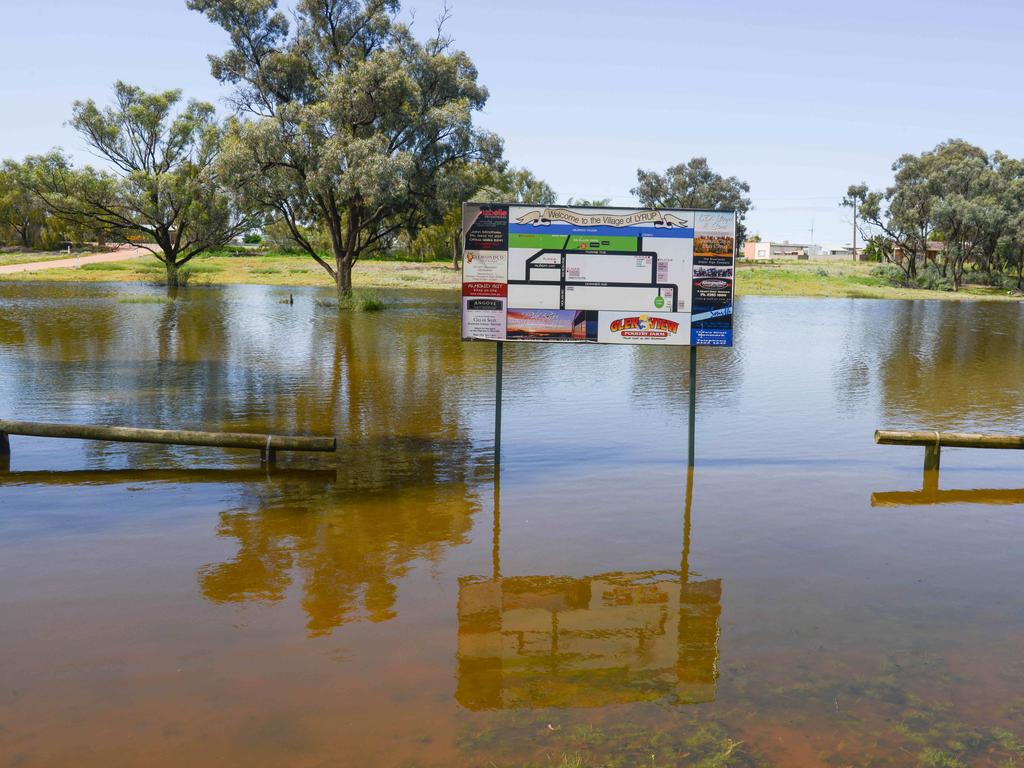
(401, 604)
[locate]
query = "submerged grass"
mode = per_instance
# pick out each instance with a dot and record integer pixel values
(145, 300)
(360, 300)
(906, 712)
(620, 745)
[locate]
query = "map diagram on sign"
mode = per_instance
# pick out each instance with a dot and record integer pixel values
(599, 270)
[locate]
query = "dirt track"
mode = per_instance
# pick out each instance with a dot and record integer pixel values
(121, 254)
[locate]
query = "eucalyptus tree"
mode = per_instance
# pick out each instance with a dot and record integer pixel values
(952, 194)
(966, 209)
(903, 212)
(347, 123)
(161, 192)
(695, 185)
(1010, 247)
(21, 213)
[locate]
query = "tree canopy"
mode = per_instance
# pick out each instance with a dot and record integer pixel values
(695, 185)
(953, 205)
(162, 191)
(347, 123)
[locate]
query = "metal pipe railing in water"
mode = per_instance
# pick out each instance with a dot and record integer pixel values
(267, 445)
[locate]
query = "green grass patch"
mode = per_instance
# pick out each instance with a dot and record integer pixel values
(149, 266)
(203, 269)
(110, 266)
(264, 271)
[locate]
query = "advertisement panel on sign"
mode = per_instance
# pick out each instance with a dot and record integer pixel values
(598, 275)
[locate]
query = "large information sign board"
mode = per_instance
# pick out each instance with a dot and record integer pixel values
(604, 275)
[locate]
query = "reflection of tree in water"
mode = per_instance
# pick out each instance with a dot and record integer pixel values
(347, 552)
(400, 494)
(948, 364)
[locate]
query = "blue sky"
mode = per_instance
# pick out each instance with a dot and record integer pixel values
(798, 98)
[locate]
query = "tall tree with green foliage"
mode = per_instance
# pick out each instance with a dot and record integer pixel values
(162, 191)
(348, 124)
(1009, 253)
(695, 185)
(21, 213)
(955, 194)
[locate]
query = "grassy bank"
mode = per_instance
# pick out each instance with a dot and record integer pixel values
(260, 270)
(787, 278)
(842, 280)
(26, 257)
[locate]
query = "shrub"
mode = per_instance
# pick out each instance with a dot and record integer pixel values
(931, 279)
(890, 273)
(363, 300)
(995, 279)
(252, 238)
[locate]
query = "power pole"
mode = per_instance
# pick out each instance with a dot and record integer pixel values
(854, 228)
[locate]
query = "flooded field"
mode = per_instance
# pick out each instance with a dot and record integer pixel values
(399, 604)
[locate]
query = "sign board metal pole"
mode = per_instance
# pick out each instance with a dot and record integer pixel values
(684, 563)
(693, 401)
(499, 364)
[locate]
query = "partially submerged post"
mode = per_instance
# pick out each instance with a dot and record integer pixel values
(498, 373)
(5, 452)
(693, 404)
(933, 442)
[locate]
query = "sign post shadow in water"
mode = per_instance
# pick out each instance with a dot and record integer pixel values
(597, 275)
(612, 638)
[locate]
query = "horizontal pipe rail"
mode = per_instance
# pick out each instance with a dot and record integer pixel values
(264, 443)
(966, 496)
(948, 439)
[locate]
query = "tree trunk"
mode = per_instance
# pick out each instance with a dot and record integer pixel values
(172, 273)
(455, 251)
(343, 272)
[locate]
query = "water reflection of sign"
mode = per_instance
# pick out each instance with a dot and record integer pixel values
(536, 641)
